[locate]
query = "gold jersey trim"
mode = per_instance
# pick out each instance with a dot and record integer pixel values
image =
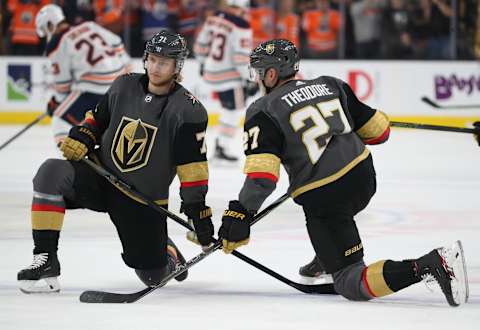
(376, 281)
(265, 163)
(192, 172)
(47, 220)
(333, 177)
(374, 127)
(89, 115)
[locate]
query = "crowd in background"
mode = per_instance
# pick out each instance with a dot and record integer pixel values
(327, 29)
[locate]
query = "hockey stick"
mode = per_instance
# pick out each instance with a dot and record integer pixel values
(108, 297)
(23, 130)
(458, 106)
(435, 127)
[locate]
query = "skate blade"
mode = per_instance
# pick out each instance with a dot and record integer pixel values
(52, 286)
(460, 290)
(321, 279)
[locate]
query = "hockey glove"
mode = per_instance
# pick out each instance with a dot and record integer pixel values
(201, 216)
(52, 106)
(476, 125)
(235, 229)
(251, 88)
(79, 142)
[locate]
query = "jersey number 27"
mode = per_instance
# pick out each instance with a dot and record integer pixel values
(328, 119)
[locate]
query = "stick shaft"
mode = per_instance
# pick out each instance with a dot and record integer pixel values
(23, 130)
(434, 127)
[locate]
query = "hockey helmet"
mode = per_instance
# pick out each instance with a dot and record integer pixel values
(279, 54)
(168, 44)
(239, 3)
(52, 14)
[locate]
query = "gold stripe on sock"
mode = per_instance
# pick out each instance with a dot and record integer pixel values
(46, 220)
(375, 280)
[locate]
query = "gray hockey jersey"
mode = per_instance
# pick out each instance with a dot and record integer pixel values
(147, 139)
(317, 129)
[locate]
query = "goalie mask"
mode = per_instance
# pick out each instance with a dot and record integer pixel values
(167, 44)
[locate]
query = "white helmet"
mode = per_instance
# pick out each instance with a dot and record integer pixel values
(239, 3)
(48, 14)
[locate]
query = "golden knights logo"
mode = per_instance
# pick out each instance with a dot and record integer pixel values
(270, 48)
(132, 144)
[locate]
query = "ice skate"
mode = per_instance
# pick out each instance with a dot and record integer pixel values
(446, 266)
(45, 268)
(313, 273)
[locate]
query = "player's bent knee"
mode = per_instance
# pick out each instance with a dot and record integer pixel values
(152, 277)
(348, 282)
(54, 176)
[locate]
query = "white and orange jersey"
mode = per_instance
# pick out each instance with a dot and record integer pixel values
(223, 46)
(86, 58)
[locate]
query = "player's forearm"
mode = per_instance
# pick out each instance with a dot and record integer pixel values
(255, 191)
(193, 181)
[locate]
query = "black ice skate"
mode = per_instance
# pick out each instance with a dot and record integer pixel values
(222, 154)
(178, 260)
(313, 273)
(447, 267)
(45, 266)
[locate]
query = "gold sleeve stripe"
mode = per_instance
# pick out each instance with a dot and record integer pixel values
(193, 172)
(374, 280)
(262, 163)
(375, 126)
(47, 220)
(89, 115)
(333, 177)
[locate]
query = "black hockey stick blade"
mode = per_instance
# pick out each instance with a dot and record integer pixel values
(111, 297)
(104, 297)
(434, 127)
(430, 102)
(458, 106)
(305, 288)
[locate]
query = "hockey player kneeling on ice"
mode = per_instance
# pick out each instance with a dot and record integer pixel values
(318, 130)
(84, 60)
(146, 129)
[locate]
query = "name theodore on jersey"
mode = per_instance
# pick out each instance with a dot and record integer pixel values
(306, 93)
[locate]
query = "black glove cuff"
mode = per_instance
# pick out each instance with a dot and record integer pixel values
(197, 211)
(83, 135)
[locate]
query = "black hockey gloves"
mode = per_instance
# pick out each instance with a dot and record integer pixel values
(476, 125)
(52, 106)
(235, 229)
(201, 216)
(79, 142)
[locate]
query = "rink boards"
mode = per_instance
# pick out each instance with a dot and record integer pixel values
(396, 87)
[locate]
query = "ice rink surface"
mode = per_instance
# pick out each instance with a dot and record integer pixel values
(428, 196)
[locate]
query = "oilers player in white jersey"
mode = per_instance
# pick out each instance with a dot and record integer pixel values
(222, 48)
(85, 60)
